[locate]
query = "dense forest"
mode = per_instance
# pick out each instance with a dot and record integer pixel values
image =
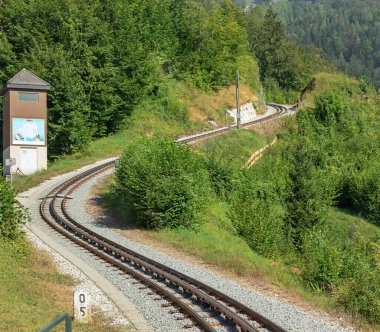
(346, 30)
(102, 58)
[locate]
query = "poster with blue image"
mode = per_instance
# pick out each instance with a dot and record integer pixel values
(28, 131)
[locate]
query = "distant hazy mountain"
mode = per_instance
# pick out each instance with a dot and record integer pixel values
(346, 30)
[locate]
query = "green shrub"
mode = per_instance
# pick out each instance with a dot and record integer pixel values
(273, 92)
(167, 103)
(258, 215)
(12, 213)
(359, 287)
(364, 190)
(329, 108)
(310, 190)
(220, 175)
(162, 184)
(360, 296)
(343, 264)
(322, 260)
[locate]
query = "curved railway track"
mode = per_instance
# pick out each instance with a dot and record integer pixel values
(280, 111)
(205, 306)
(188, 295)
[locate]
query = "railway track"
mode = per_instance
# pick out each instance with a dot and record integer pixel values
(280, 111)
(206, 308)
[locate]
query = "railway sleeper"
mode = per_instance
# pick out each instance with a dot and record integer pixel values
(198, 296)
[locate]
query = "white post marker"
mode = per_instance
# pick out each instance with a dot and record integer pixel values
(82, 310)
(10, 162)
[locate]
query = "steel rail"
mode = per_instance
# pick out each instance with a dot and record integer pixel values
(154, 269)
(81, 241)
(280, 110)
(158, 268)
(123, 251)
(95, 242)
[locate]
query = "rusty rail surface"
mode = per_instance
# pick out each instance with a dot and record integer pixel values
(149, 272)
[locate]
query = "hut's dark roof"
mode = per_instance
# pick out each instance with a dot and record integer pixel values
(26, 80)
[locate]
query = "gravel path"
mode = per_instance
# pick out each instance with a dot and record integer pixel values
(100, 302)
(288, 316)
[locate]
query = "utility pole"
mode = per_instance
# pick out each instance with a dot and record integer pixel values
(238, 120)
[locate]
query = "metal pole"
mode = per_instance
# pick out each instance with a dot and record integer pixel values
(65, 317)
(238, 120)
(68, 327)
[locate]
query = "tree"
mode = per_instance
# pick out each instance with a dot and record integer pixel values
(346, 31)
(280, 60)
(309, 192)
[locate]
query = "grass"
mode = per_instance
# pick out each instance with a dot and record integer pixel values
(329, 82)
(33, 293)
(234, 148)
(217, 243)
(347, 222)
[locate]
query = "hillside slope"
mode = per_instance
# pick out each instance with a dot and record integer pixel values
(104, 58)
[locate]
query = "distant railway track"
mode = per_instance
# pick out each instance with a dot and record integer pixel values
(280, 111)
(205, 306)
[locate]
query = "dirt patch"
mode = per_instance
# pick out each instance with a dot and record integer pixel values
(213, 106)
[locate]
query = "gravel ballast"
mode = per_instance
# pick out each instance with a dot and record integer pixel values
(286, 315)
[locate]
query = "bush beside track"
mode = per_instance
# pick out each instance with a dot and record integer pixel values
(282, 208)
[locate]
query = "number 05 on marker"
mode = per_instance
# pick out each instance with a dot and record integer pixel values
(82, 311)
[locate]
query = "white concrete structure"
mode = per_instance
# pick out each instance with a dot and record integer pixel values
(247, 113)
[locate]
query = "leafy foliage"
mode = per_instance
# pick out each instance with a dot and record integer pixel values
(309, 192)
(346, 30)
(221, 177)
(162, 184)
(12, 213)
(258, 215)
(104, 58)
